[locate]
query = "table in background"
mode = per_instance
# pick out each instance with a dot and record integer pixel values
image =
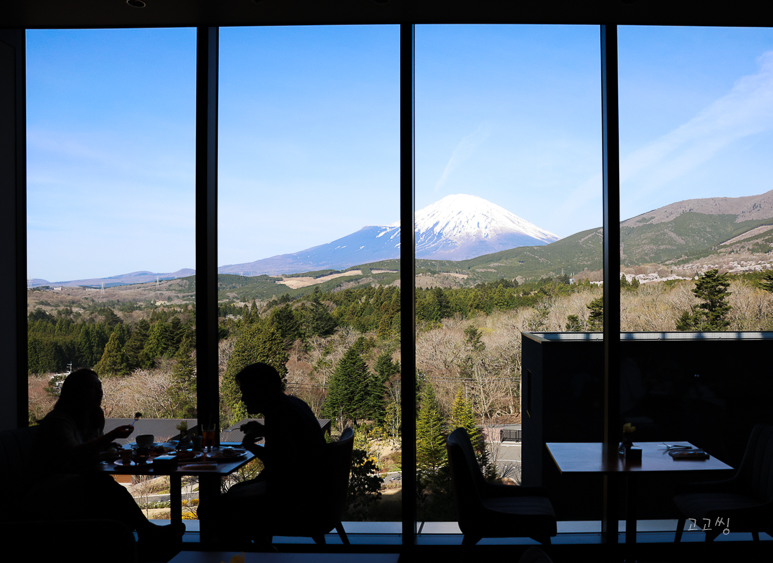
(588, 457)
(225, 557)
(184, 469)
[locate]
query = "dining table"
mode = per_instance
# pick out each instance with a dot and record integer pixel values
(209, 466)
(656, 457)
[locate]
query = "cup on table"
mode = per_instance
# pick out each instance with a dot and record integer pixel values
(126, 456)
(145, 440)
(208, 436)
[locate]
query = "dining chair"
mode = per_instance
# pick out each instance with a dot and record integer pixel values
(742, 503)
(323, 513)
(533, 554)
(491, 510)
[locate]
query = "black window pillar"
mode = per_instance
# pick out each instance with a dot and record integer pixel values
(208, 393)
(611, 244)
(407, 277)
(13, 229)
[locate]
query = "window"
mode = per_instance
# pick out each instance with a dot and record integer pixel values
(507, 151)
(111, 220)
(695, 131)
(309, 231)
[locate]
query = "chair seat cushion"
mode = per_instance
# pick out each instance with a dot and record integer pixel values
(513, 516)
(520, 506)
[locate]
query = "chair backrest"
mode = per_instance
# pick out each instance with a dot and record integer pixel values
(466, 476)
(338, 458)
(756, 470)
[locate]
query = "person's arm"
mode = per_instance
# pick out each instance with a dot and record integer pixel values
(253, 431)
(88, 450)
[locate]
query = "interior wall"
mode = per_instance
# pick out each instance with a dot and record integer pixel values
(13, 249)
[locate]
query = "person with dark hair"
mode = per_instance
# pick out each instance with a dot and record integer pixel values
(293, 441)
(69, 439)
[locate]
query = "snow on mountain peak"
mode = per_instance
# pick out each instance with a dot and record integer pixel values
(460, 216)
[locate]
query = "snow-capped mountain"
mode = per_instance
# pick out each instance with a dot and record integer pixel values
(461, 226)
(457, 227)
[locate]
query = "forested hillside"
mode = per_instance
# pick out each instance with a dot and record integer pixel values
(340, 350)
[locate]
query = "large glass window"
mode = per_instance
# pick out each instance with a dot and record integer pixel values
(696, 129)
(508, 199)
(111, 224)
(309, 233)
(696, 132)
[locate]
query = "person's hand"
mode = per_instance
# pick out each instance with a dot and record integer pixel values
(252, 431)
(120, 432)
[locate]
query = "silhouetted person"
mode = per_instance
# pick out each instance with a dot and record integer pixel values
(69, 439)
(293, 445)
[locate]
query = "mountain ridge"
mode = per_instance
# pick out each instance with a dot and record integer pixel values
(457, 227)
(670, 235)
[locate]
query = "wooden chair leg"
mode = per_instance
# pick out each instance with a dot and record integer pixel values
(756, 536)
(470, 540)
(680, 529)
(319, 539)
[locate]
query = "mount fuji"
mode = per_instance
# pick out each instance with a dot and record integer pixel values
(457, 227)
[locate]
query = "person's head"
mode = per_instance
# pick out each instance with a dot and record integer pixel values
(81, 391)
(260, 384)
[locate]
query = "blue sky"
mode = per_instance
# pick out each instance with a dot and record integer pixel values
(309, 136)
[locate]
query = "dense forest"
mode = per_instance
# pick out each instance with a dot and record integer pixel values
(340, 350)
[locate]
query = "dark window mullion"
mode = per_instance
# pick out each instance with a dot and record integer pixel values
(407, 279)
(208, 392)
(611, 244)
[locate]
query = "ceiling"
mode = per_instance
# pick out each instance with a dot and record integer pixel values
(189, 13)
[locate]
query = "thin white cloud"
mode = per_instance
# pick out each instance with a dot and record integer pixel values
(466, 148)
(747, 109)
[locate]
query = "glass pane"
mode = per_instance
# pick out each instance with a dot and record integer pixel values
(696, 129)
(111, 256)
(308, 245)
(508, 198)
(696, 134)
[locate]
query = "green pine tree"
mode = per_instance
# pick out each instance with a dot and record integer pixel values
(283, 319)
(112, 361)
(183, 390)
(431, 453)
(135, 344)
(573, 323)
(463, 416)
(384, 371)
(596, 317)
(767, 282)
(321, 322)
(711, 315)
(349, 389)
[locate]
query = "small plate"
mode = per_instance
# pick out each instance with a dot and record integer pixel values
(120, 464)
(219, 455)
(187, 457)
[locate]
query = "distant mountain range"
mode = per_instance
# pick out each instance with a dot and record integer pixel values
(122, 279)
(672, 235)
(457, 227)
(470, 233)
